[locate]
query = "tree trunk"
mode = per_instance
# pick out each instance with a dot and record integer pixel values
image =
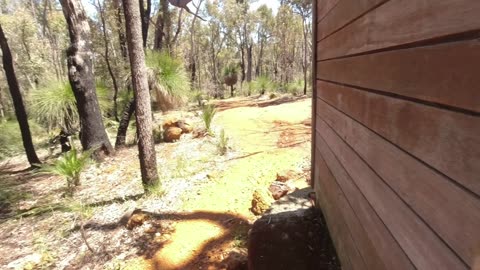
(249, 62)
(82, 80)
(123, 125)
(143, 110)
(20, 111)
(121, 35)
(161, 39)
(305, 41)
(145, 19)
(107, 59)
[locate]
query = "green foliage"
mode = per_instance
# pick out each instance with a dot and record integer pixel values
(263, 84)
(294, 88)
(208, 112)
(54, 106)
(10, 140)
(222, 144)
(168, 79)
(70, 166)
(230, 75)
(104, 97)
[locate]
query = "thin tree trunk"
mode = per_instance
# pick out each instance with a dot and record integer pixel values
(193, 64)
(107, 60)
(304, 65)
(145, 19)
(80, 74)
(123, 125)
(249, 62)
(162, 31)
(143, 110)
(20, 111)
(121, 35)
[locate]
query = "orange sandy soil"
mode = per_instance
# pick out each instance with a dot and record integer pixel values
(205, 224)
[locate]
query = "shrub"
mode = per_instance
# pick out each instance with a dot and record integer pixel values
(263, 84)
(167, 79)
(222, 144)
(295, 88)
(208, 112)
(70, 166)
(54, 106)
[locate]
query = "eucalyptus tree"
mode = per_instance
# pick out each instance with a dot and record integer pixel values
(82, 80)
(20, 111)
(143, 113)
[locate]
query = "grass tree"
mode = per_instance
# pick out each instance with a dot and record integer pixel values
(230, 77)
(143, 110)
(18, 104)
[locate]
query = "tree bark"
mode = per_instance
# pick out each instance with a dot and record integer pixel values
(123, 125)
(249, 62)
(82, 80)
(161, 39)
(107, 59)
(20, 111)
(143, 110)
(121, 35)
(145, 19)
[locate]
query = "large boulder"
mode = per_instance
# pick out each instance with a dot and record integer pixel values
(172, 134)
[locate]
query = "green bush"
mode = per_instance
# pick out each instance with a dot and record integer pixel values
(54, 106)
(263, 84)
(70, 166)
(222, 144)
(167, 79)
(208, 112)
(295, 88)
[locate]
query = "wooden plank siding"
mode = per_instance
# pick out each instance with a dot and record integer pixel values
(396, 136)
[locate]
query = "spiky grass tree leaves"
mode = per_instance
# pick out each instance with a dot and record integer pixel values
(208, 112)
(167, 79)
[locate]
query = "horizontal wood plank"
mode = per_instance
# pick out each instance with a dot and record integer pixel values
(324, 7)
(452, 212)
(345, 12)
(420, 243)
(446, 140)
(378, 247)
(400, 22)
(346, 249)
(446, 74)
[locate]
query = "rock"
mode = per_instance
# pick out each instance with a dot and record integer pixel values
(261, 201)
(169, 122)
(27, 262)
(237, 260)
(286, 175)
(172, 134)
(293, 235)
(279, 189)
(137, 219)
(186, 128)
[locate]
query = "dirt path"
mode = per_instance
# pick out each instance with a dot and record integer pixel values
(213, 227)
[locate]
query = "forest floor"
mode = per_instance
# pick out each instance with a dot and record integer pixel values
(200, 217)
